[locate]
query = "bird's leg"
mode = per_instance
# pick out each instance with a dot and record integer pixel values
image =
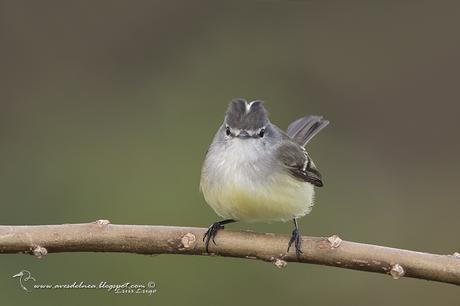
(295, 238)
(212, 232)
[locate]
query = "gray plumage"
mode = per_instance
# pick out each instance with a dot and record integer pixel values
(239, 116)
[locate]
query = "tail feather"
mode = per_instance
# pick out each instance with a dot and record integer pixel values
(304, 129)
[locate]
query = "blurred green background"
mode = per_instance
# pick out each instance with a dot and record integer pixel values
(107, 108)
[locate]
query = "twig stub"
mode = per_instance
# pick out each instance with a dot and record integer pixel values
(397, 271)
(39, 251)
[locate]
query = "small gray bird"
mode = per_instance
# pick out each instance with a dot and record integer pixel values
(254, 171)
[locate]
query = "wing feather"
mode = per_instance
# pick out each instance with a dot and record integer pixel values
(299, 164)
(304, 129)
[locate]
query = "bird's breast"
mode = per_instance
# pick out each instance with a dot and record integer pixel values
(252, 187)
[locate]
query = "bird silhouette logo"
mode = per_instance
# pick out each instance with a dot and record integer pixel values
(24, 276)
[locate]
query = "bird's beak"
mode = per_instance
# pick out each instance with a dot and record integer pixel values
(244, 135)
(17, 275)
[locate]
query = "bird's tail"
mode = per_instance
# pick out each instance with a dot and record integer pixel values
(304, 129)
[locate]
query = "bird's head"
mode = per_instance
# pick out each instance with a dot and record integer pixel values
(245, 120)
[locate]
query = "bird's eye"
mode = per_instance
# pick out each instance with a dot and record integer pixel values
(262, 133)
(227, 131)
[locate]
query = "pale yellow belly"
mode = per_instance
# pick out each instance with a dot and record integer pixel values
(285, 198)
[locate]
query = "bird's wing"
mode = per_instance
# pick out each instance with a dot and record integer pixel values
(304, 129)
(298, 163)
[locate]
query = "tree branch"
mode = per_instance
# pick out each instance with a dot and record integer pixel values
(101, 236)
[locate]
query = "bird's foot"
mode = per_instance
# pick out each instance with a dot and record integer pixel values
(295, 238)
(212, 232)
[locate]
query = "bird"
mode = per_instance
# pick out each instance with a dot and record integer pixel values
(254, 171)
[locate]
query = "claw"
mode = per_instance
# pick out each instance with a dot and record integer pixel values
(211, 233)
